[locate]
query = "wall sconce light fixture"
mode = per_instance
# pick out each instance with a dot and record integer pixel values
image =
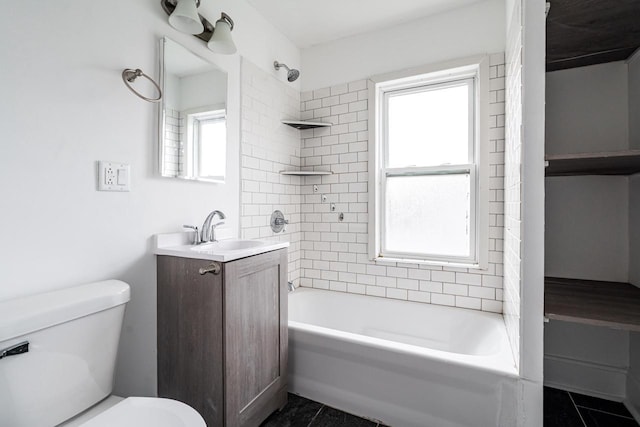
(184, 17)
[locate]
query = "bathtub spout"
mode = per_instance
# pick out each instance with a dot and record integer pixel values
(291, 286)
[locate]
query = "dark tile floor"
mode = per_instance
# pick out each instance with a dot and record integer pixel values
(561, 409)
(301, 412)
(564, 409)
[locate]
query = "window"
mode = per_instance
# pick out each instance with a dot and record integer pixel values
(428, 205)
(210, 137)
(206, 149)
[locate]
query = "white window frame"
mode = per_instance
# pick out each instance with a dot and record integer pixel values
(191, 150)
(218, 116)
(436, 76)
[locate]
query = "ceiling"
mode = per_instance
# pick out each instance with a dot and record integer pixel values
(311, 22)
(588, 32)
(579, 32)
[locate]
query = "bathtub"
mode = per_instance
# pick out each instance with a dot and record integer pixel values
(401, 363)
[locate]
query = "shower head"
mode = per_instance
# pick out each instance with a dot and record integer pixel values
(292, 73)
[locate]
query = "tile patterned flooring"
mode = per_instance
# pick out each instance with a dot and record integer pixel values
(565, 409)
(301, 412)
(561, 409)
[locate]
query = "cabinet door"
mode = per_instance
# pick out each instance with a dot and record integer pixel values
(255, 337)
(190, 341)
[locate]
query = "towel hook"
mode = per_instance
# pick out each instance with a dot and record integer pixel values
(129, 76)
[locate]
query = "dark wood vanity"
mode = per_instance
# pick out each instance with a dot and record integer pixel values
(222, 336)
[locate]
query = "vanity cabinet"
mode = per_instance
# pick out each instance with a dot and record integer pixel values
(222, 337)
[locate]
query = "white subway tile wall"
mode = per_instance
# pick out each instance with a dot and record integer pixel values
(172, 145)
(334, 254)
(267, 147)
(513, 181)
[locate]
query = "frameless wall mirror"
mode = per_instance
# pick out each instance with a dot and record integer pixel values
(193, 119)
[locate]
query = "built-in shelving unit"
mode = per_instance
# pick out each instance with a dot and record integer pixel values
(612, 304)
(607, 163)
(305, 173)
(306, 124)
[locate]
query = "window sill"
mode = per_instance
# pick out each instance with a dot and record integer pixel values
(393, 261)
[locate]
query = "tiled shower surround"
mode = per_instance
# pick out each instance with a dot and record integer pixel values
(267, 147)
(173, 147)
(333, 254)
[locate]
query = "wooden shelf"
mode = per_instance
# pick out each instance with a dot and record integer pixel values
(608, 163)
(306, 173)
(305, 124)
(612, 304)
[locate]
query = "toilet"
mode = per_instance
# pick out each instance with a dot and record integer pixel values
(57, 361)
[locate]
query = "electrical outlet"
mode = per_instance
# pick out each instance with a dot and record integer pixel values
(113, 176)
(109, 175)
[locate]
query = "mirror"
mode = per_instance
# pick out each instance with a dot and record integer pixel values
(193, 119)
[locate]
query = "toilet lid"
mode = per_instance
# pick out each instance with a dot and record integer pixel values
(148, 412)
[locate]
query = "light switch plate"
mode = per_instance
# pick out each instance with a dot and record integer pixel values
(113, 176)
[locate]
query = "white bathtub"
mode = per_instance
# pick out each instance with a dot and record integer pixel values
(399, 362)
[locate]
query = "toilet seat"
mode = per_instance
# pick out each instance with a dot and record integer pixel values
(147, 412)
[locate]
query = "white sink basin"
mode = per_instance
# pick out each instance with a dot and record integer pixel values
(177, 244)
(227, 245)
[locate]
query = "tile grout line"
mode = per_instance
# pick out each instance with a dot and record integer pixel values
(315, 416)
(604, 412)
(577, 410)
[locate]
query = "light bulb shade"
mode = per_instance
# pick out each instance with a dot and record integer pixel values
(185, 17)
(221, 40)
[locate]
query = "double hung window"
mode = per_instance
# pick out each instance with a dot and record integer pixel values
(207, 136)
(428, 205)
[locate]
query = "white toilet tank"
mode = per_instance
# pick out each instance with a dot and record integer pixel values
(72, 337)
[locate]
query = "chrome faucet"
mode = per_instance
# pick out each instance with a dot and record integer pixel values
(208, 230)
(196, 235)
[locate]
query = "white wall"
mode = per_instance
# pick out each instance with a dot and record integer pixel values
(65, 107)
(587, 234)
(634, 101)
(467, 31)
(513, 176)
(532, 196)
(587, 109)
(203, 89)
(634, 230)
(172, 91)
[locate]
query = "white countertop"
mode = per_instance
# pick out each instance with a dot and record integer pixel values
(177, 244)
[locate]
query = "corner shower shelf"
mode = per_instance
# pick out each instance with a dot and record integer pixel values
(306, 173)
(305, 124)
(607, 163)
(612, 304)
